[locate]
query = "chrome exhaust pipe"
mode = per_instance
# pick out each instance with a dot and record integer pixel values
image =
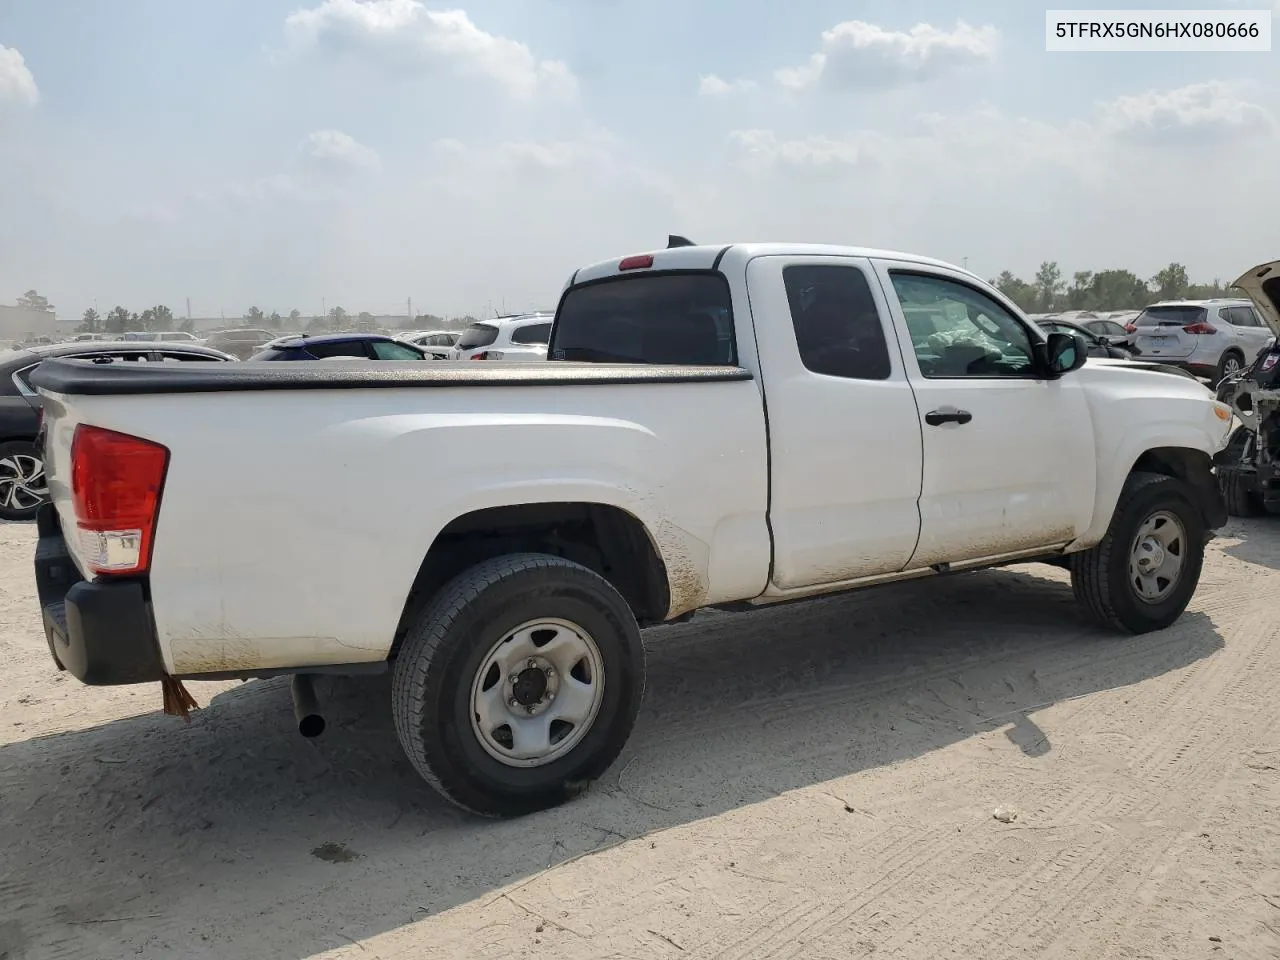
(306, 708)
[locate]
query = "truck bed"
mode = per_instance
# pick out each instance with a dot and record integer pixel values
(85, 378)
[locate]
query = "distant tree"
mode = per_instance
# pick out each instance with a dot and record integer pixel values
(275, 321)
(295, 319)
(156, 318)
(90, 322)
(1080, 293)
(1049, 286)
(33, 301)
(317, 324)
(187, 325)
(337, 318)
(254, 318)
(1019, 291)
(1171, 283)
(1119, 290)
(118, 321)
(423, 321)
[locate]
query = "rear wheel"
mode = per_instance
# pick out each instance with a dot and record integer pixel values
(519, 684)
(1142, 575)
(1232, 362)
(23, 487)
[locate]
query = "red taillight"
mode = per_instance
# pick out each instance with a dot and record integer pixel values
(115, 490)
(1130, 328)
(480, 356)
(641, 262)
(1200, 329)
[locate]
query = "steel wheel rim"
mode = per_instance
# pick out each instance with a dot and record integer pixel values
(1156, 557)
(22, 482)
(537, 692)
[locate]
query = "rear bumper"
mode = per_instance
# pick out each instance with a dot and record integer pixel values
(101, 633)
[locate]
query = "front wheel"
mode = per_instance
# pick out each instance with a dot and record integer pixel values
(23, 487)
(519, 684)
(1143, 573)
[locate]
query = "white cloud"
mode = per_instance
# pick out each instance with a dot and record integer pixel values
(17, 85)
(1212, 109)
(405, 33)
(765, 147)
(858, 54)
(336, 147)
(712, 86)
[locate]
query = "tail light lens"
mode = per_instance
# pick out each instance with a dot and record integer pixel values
(1200, 329)
(1130, 328)
(488, 355)
(115, 490)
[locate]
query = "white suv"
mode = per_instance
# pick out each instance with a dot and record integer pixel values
(1210, 338)
(506, 338)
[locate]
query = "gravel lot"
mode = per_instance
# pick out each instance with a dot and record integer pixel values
(811, 781)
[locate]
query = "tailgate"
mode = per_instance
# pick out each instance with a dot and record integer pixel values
(1168, 331)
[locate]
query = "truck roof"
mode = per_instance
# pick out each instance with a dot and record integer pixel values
(712, 256)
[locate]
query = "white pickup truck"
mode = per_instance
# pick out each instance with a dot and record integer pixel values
(715, 427)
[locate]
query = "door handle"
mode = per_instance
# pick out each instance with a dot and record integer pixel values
(936, 418)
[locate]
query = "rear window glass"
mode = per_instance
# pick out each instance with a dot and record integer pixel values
(654, 318)
(1170, 316)
(477, 335)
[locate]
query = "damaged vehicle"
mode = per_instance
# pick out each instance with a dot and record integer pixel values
(1249, 468)
(729, 426)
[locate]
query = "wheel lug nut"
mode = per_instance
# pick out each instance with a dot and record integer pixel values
(532, 663)
(514, 679)
(551, 672)
(513, 702)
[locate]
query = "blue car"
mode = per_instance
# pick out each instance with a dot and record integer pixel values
(341, 346)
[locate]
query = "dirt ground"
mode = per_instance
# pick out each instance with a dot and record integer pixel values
(811, 781)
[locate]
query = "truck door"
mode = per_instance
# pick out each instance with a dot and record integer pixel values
(845, 445)
(1009, 461)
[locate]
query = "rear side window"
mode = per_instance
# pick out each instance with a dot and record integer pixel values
(1170, 316)
(533, 333)
(838, 329)
(386, 350)
(477, 335)
(1240, 317)
(675, 318)
(343, 348)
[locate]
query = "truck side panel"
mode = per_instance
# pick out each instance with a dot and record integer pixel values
(293, 522)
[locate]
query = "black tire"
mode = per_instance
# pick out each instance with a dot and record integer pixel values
(1238, 493)
(1223, 373)
(20, 501)
(445, 648)
(1100, 575)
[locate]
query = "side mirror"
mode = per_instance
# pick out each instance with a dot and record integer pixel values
(1065, 352)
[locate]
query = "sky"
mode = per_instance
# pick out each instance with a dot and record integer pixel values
(470, 155)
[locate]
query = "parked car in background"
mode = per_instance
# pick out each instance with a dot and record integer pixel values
(239, 343)
(22, 481)
(438, 343)
(1099, 344)
(161, 336)
(522, 337)
(1211, 338)
(342, 346)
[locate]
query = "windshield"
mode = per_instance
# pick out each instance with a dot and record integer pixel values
(1176, 316)
(684, 318)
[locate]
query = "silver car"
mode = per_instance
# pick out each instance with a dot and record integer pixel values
(1210, 338)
